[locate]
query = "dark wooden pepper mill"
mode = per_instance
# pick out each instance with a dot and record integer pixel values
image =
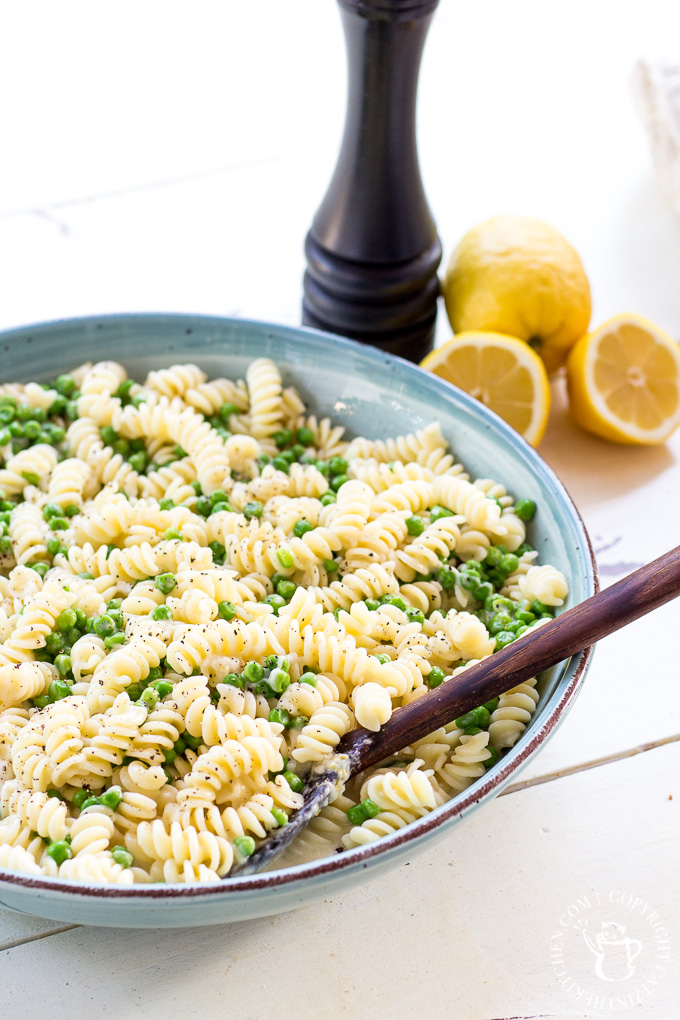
(373, 250)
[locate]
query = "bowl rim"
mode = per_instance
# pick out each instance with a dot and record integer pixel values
(485, 788)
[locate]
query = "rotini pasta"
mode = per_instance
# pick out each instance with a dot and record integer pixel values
(203, 588)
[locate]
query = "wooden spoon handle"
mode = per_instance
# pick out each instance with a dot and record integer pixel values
(578, 628)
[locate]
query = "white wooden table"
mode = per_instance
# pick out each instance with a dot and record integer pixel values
(166, 157)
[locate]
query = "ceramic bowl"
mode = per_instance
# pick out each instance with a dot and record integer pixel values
(373, 394)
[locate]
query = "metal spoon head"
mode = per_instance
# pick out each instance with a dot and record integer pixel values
(325, 784)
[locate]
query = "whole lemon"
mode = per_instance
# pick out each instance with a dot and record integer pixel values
(519, 276)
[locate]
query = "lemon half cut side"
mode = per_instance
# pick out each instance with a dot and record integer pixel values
(500, 371)
(624, 382)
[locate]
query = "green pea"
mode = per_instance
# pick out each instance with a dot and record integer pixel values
(114, 639)
(328, 498)
(288, 456)
(6, 414)
(65, 385)
(524, 548)
(104, 625)
(493, 556)
(226, 610)
(253, 672)
(162, 613)
(218, 551)
(539, 608)
(286, 589)
(138, 462)
(58, 406)
(66, 619)
(492, 705)
(164, 687)
(302, 527)
(415, 525)
(338, 466)
(71, 510)
(525, 509)
(509, 563)
(32, 478)
(298, 722)
(204, 506)
(371, 809)
(338, 481)
(415, 615)
(32, 430)
(59, 851)
(281, 464)
(245, 846)
(492, 759)
(55, 642)
(218, 496)
(165, 583)
(226, 410)
(79, 798)
(499, 622)
(448, 578)
(296, 784)
(193, 742)
(482, 717)
(279, 715)
(43, 700)
(252, 509)
(234, 680)
(149, 698)
(395, 600)
(63, 664)
(308, 678)
(16, 429)
(5, 545)
(172, 534)
(505, 637)
(108, 435)
(330, 566)
(5, 436)
(24, 412)
(40, 568)
(438, 511)
(122, 856)
(382, 657)
(280, 817)
(285, 557)
(527, 618)
(112, 797)
(283, 438)
(436, 676)
(59, 689)
(357, 815)
(482, 591)
(275, 601)
(499, 604)
(279, 680)
(306, 436)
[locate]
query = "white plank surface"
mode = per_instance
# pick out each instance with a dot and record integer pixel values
(159, 160)
(464, 930)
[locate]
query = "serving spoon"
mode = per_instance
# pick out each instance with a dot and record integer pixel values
(572, 631)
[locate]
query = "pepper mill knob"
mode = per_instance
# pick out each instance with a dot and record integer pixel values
(372, 250)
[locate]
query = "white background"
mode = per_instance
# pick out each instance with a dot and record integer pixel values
(166, 156)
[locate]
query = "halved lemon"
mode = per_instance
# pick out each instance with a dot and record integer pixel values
(501, 371)
(624, 381)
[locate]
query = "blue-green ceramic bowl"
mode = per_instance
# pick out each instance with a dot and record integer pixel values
(373, 394)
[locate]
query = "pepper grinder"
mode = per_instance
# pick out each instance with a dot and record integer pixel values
(373, 251)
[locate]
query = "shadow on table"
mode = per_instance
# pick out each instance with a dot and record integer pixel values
(592, 468)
